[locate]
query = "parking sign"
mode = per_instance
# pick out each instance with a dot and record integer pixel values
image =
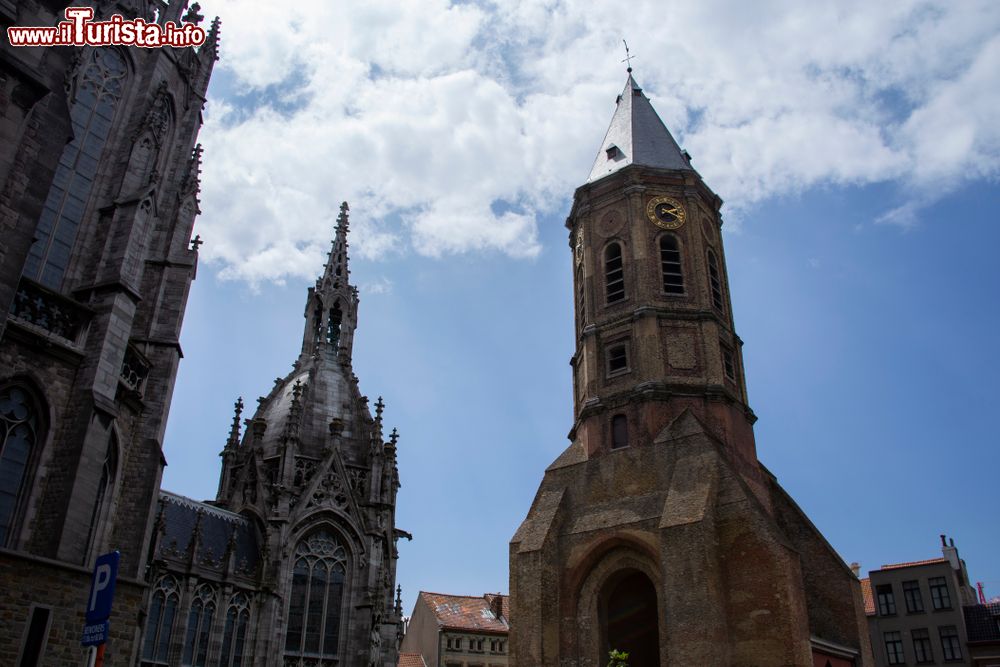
(102, 588)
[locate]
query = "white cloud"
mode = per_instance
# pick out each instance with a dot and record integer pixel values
(449, 128)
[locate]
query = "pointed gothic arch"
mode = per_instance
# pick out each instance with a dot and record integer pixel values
(104, 501)
(98, 91)
(24, 420)
(199, 626)
(319, 595)
(160, 621)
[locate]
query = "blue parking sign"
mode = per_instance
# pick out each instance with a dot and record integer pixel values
(102, 588)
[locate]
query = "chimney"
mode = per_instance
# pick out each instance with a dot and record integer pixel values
(950, 552)
(856, 569)
(496, 605)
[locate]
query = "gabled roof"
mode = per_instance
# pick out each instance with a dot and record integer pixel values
(411, 660)
(930, 561)
(468, 613)
(636, 136)
(866, 595)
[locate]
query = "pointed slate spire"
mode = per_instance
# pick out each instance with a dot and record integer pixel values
(637, 136)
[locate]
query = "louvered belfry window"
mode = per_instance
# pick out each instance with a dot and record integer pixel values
(670, 265)
(614, 273)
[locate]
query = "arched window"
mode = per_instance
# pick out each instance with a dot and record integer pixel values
(715, 281)
(199, 626)
(317, 322)
(582, 307)
(614, 273)
(235, 632)
(20, 433)
(619, 432)
(314, 607)
(670, 265)
(99, 90)
(160, 622)
(102, 503)
(333, 325)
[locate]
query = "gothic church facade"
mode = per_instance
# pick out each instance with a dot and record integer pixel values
(294, 563)
(99, 180)
(658, 531)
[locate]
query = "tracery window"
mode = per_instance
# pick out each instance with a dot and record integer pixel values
(235, 632)
(199, 627)
(670, 265)
(614, 273)
(715, 281)
(20, 428)
(99, 91)
(160, 622)
(314, 608)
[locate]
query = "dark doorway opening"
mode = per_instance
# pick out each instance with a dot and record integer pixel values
(632, 620)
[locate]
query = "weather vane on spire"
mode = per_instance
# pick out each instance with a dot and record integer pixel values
(628, 57)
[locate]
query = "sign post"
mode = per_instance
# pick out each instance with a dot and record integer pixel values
(102, 594)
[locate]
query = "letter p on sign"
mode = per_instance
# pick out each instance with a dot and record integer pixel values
(102, 588)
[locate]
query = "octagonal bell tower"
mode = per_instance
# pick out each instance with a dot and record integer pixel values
(658, 531)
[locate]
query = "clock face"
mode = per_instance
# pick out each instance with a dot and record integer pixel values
(665, 212)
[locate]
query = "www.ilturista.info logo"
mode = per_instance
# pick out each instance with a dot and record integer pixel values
(79, 30)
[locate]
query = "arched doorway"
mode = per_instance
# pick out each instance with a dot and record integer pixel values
(631, 621)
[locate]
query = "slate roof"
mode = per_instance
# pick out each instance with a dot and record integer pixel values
(866, 595)
(468, 613)
(639, 135)
(411, 660)
(217, 527)
(982, 622)
(930, 561)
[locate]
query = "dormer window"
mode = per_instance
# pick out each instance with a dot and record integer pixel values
(614, 152)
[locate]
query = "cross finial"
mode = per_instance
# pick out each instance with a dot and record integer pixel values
(628, 57)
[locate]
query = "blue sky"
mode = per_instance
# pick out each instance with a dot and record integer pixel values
(859, 166)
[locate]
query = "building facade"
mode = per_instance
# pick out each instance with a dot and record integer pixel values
(294, 563)
(99, 179)
(458, 630)
(917, 613)
(658, 531)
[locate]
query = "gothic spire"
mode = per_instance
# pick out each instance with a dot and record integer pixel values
(337, 272)
(234, 431)
(637, 136)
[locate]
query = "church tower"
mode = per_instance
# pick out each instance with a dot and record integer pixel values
(300, 543)
(657, 531)
(99, 191)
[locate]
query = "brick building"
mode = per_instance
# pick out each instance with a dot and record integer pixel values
(458, 630)
(98, 195)
(658, 531)
(926, 613)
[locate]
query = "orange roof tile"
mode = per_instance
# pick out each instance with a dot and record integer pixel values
(866, 595)
(411, 660)
(930, 561)
(467, 612)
